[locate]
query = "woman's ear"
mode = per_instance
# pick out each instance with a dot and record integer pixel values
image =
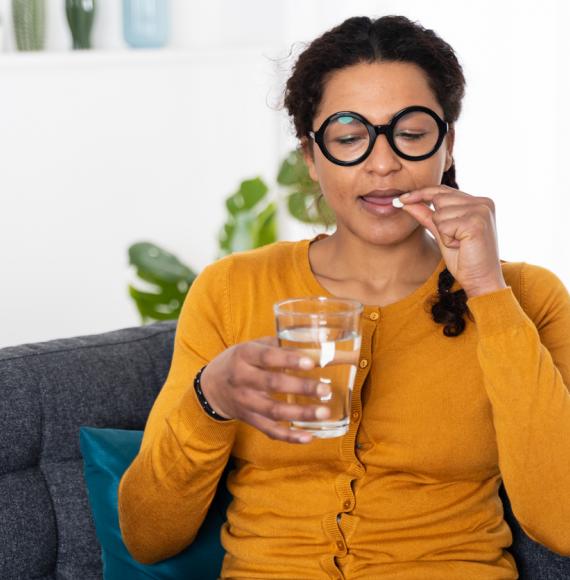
(309, 157)
(450, 140)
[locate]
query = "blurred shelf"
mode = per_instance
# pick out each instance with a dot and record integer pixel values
(143, 57)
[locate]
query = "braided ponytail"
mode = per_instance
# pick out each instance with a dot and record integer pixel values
(449, 307)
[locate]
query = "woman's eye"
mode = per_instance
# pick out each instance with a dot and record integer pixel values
(349, 140)
(411, 136)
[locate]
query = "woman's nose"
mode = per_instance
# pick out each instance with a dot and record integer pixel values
(382, 158)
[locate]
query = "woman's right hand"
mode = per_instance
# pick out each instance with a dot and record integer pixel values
(240, 383)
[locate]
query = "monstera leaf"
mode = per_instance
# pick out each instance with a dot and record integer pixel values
(249, 194)
(248, 227)
(163, 280)
(303, 199)
(309, 208)
(293, 170)
(166, 281)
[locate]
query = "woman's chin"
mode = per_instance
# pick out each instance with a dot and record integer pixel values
(383, 234)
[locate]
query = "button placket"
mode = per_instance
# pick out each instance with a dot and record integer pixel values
(348, 445)
(354, 469)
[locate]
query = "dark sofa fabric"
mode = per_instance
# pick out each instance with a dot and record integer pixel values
(47, 391)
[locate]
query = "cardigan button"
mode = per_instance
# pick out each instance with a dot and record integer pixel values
(363, 363)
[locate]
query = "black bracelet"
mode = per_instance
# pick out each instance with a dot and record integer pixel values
(203, 401)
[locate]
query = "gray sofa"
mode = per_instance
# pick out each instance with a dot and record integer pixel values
(47, 391)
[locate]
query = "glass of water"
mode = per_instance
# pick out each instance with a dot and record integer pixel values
(329, 331)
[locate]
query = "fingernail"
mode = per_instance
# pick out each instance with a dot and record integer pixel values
(306, 363)
(405, 195)
(322, 413)
(323, 390)
(305, 438)
(397, 203)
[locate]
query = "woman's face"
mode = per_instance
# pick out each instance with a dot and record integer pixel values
(377, 91)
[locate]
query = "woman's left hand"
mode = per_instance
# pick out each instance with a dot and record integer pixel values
(464, 227)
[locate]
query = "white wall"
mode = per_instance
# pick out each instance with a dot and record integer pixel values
(101, 149)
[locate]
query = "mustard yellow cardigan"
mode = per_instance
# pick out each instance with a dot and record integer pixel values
(436, 422)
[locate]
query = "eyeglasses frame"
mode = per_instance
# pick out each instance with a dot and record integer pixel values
(375, 130)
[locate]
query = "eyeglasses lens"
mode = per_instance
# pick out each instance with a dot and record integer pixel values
(415, 134)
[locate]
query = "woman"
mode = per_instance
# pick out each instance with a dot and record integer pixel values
(440, 414)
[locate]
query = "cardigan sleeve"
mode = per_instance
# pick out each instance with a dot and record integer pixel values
(166, 492)
(524, 353)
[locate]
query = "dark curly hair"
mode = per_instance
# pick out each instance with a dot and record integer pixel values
(387, 39)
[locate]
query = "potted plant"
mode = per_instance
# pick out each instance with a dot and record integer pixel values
(251, 223)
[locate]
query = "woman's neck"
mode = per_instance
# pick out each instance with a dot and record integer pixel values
(377, 268)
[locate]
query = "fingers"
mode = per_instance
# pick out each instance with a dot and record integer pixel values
(424, 215)
(265, 414)
(437, 199)
(443, 196)
(255, 371)
(265, 353)
(451, 212)
(272, 340)
(273, 382)
(278, 411)
(279, 432)
(264, 360)
(268, 381)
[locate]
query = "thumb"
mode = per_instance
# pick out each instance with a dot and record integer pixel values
(423, 214)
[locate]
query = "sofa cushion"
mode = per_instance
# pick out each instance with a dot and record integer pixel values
(47, 391)
(28, 521)
(107, 453)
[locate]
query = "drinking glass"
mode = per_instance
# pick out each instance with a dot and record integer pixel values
(329, 331)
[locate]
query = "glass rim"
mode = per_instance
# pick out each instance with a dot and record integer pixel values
(357, 307)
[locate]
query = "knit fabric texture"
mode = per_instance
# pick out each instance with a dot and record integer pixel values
(411, 491)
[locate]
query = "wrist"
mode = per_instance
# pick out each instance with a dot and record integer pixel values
(203, 389)
(487, 289)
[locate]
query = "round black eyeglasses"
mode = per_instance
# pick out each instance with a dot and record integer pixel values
(347, 138)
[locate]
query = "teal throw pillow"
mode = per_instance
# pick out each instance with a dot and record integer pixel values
(106, 455)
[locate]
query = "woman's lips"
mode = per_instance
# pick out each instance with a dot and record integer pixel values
(379, 205)
(379, 200)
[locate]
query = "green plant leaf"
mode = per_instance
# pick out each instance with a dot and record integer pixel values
(242, 238)
(170, 281)
(163, 287)
(246, 227)
(151, 306)
(293, 170)
(159, 263)
(250, 193)
(265, 226)
(306, 208)
(225, 237)
(303, 199)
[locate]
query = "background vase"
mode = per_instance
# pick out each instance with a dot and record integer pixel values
(146, 23)
(29, 23)
(80, 15)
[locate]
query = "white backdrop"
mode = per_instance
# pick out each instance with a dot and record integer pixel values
(100, 149)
